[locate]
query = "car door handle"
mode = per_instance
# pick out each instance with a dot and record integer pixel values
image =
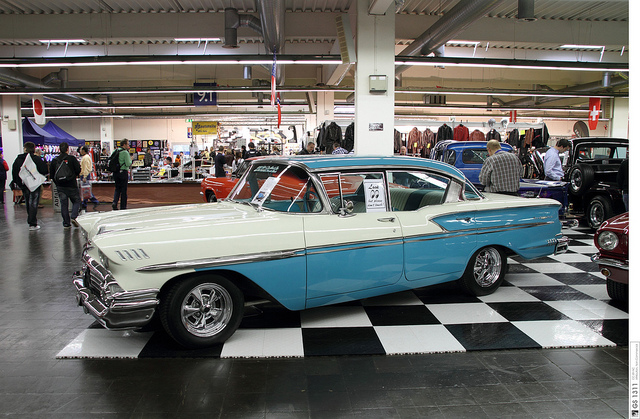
(464, 219)
(387, 219)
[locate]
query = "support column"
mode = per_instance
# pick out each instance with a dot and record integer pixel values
(325, 104)
(11, 130)
(374, 112)
(106, 134)
(620, 118)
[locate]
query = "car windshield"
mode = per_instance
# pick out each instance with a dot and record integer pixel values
(278, 187)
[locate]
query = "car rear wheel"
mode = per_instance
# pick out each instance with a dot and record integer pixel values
(617, 291)
(485, 271)
(202, 311)
(581, 177)
(599, 211)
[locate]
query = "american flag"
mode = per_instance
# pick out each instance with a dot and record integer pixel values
(273, 81)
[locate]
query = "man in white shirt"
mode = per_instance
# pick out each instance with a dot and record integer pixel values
(552, 163)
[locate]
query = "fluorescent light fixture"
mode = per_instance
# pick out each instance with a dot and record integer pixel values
(575, 46)
(558, 66)
(62, 41)
(197, 39)
(470, 43)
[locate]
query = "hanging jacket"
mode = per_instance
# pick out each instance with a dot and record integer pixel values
(477, 135)
(514, 138)
(445, 133)
(493, 135)
(461, 133)
(349, 137)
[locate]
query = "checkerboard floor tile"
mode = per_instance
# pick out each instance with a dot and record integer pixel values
(557, 301)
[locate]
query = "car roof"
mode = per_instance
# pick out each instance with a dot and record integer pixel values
(327, 162)
(474, 144)
(599, 140)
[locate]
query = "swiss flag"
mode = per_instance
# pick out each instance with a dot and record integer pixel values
(594, 112)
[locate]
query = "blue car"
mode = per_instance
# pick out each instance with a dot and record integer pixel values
(469, 156)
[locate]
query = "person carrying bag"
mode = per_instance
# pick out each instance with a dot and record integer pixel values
(29, 173)
(86, 167)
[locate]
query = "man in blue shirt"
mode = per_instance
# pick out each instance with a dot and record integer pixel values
(552, 163)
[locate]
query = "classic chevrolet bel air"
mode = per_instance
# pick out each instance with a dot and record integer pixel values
(305, 231)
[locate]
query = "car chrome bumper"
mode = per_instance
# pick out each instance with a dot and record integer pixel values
(562, 245)
(124, 310)
(614, 269)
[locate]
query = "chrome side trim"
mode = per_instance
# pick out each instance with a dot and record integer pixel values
(481, 230)
(353, 246)
(224, 260)
(614, 263)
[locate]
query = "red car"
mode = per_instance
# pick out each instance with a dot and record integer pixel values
(214, 188)
(612, 240)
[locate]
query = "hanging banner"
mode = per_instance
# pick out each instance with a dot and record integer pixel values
(204, 97)
(204, 127)
(38, 109)
(273, 81)
(513, 116)
(594, 112)
(279, 110)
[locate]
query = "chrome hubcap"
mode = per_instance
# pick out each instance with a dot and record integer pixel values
(596, 215)
(206, 310)
(487, 267)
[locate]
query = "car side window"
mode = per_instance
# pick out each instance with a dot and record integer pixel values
(363, 192)
(411, 190)
(450, 157)
(474, 156)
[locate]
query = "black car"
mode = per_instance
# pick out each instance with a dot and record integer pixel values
(591, 168)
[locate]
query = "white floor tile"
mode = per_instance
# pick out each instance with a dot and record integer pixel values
(572, 257)
(508, 294)
(335, 317)
(264, 343)
(532, 280)
(465, 313)
(562, 333)
(587, 250)
(102, 343)
(588, 310)
(417, 339)
(407, 298)
(598, 292)
(553, 268)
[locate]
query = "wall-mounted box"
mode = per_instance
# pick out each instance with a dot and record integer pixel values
(378, 84)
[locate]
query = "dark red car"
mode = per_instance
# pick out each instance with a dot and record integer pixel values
(612, 240)
(214, 188)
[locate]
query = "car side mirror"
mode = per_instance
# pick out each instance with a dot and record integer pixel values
(347, 208)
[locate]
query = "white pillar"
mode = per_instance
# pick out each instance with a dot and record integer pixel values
(106, 133)
(325, 105)
(11, 130)
(374, 112)
(620, 118)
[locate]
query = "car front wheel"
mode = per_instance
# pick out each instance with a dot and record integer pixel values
(202, 311)
(485, 271)
(211, 197)
(617, 290)
(599, 211)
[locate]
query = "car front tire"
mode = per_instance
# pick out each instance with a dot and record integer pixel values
(202, 311)
(485, 271)
(617, 291)
(211, 197)
(600, 210)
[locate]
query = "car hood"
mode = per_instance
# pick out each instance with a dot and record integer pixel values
(190, 232)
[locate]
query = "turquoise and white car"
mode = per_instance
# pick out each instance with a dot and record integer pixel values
(305, 231)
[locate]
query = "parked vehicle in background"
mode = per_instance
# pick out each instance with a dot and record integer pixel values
(612, 241)
(304, 232)
(590, 169)
(214, 188)
(469, 156)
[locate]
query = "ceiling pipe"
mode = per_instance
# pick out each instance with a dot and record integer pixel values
(16, 79)
(456, 20)
(525, 11)
(232, 21)
(592, 87)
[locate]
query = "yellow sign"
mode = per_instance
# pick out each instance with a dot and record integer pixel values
(204, 127)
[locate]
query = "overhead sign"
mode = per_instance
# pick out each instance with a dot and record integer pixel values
(594, 112)
(205, 98)
(204, 127)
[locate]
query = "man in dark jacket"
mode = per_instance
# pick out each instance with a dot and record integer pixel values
(67, 186)
(32, 199)
(219, 162)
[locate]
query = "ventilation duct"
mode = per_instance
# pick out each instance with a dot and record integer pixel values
(525, 11)
(460, 17)
(16, 79)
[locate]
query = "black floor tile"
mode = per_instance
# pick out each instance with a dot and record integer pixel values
(489, 336)
(577, 278)
(523, 311)
(400, 315)
(617, 331)
(162, 346)
(341, 341)
(557, 293)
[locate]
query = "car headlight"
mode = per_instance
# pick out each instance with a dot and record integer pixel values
(608, 240)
